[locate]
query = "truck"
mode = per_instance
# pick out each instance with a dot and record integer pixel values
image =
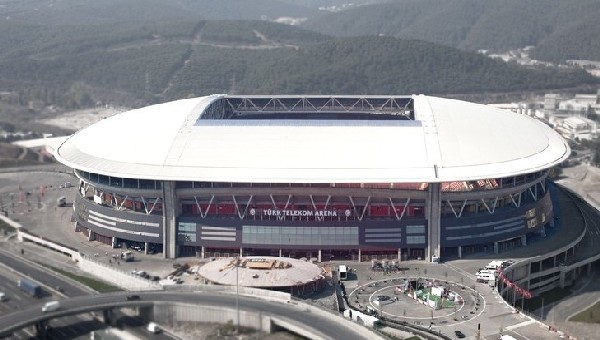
(127, 256)
(343, 271)
(30, 287)
(50, 306)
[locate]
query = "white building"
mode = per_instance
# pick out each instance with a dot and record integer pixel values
(577, 128)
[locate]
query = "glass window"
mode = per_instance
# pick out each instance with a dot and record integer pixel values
(130, 183)
(415, 229)
(103, 179)
(146, 184)
(415, 240)
(116, 182)
(181, 184)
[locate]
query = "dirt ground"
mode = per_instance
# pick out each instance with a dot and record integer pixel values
(584, 180)
(76, 120)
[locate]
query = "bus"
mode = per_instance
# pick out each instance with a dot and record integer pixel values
(343, 272)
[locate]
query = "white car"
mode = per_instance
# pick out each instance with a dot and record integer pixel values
(153, 328)
(2, 296)
(51, 306)
(486, 271)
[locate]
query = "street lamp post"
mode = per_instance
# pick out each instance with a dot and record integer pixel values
(542, 311)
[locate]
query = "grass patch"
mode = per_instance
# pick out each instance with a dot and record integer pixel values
(590, 315)
(97, 285)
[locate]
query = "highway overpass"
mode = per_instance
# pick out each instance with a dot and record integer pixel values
(295, 317)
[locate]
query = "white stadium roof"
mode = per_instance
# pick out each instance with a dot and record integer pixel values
(448, 140)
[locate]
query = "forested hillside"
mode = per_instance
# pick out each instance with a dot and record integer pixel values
(581, 40)
(93, 12)
(563, 29)
(374, 65)
(77, 66)
(559, 29)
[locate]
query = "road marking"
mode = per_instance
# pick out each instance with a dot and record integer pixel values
(522, 324)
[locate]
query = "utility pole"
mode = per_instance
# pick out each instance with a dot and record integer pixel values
(542, 310)
(237, 293)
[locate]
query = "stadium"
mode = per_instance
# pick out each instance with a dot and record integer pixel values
(324, 177)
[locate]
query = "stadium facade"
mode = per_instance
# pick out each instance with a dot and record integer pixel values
(356, 177)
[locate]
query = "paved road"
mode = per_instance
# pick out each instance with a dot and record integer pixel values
(44, 219)
(47, 278)
(327, 327)
(75, 327)
(492, 314)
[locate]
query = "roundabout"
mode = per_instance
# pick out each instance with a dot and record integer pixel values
(419, 301)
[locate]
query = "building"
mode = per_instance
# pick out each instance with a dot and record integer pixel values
(356, 177)
(560, 106)
(578, 128)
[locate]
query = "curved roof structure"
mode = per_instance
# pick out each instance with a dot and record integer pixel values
(202, 139)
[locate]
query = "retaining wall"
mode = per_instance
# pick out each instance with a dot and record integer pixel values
(89, 265)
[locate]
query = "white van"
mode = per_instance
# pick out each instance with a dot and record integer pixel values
(153, 328)
(343, 271)
(494, 265)
(2, 296)
(51, 306)
(486, 271)
(486, 278)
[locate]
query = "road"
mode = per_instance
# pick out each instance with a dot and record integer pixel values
(72, 327)
(47, 278)
(327, 327)
(81, 299)
(65, 328)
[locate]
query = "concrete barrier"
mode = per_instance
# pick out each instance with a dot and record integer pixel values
(116, 276)
(23, 235)
(89, 265)
(170, 314)
(263, 294)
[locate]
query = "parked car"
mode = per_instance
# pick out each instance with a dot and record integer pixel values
(65, 185)
(132, 297)
(459, 334)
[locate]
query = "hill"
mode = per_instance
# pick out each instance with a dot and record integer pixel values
(372, 65)
(91, 12)
(132, 64)
(477, 25)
